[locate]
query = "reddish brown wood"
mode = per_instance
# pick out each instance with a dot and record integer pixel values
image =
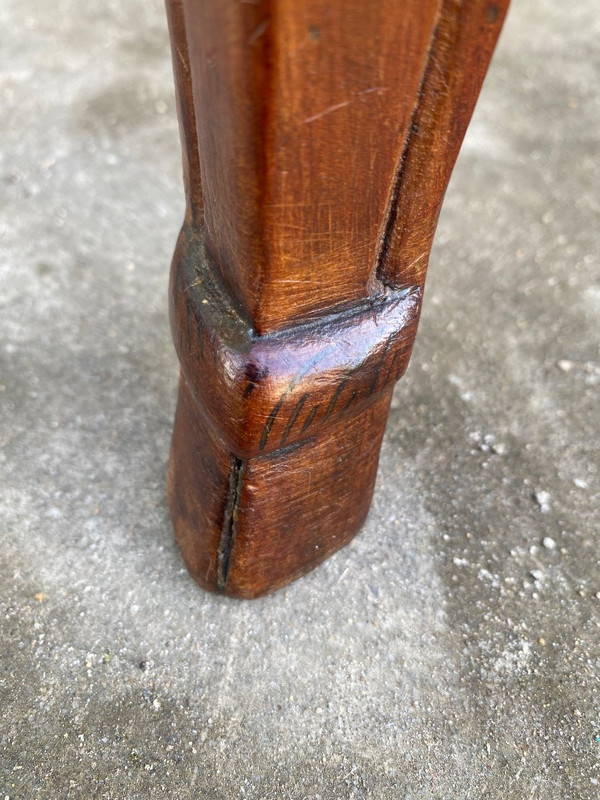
(318, 141)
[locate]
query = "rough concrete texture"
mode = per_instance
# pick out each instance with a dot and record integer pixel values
(452, 650)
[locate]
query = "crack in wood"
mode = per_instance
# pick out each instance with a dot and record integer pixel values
(228, 531)
(392, 211)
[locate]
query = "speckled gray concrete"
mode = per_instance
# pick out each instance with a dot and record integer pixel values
(452, 650)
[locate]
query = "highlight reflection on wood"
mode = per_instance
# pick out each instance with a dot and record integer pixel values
(318, 140)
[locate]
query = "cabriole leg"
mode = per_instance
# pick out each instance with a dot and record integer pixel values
(318, 139)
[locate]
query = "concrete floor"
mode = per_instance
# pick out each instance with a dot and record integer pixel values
(452, 650)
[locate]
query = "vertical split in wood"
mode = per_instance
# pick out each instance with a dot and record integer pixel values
(236, 477)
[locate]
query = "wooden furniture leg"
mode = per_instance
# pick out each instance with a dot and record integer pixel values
(318, 140)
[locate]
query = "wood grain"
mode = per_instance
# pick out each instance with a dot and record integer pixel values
(318, 141)
(302, 111)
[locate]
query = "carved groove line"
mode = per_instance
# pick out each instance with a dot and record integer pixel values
(332, 403)
(271, 420)
(277, 407)
(334, 399)
(310, 418)
(293, 418)
(380, 363)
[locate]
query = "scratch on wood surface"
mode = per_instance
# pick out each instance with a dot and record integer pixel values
(378, 89)
(327, 111)
(258, 31)
(419, 258)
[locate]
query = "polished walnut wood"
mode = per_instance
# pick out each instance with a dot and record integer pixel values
(318, 140)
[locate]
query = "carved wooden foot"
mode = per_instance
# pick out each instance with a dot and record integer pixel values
(318, 140)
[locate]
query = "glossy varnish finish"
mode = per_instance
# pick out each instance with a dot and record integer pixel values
(318, 141)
